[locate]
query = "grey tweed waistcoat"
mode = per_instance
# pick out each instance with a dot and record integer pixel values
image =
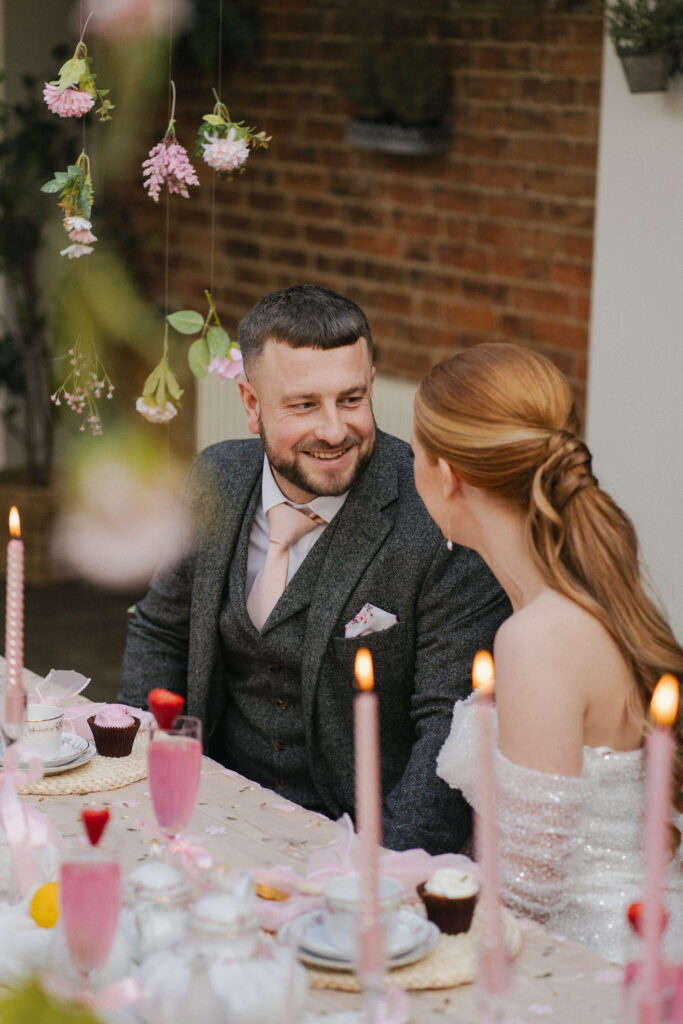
(262, 725)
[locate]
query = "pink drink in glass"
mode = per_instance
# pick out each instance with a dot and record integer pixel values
(174, 761)
(90, 897)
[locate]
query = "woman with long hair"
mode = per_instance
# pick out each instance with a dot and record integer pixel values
(501, 468)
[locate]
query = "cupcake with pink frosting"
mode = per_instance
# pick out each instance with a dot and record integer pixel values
(114, 729)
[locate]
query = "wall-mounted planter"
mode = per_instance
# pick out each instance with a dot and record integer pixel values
(403, 140)
(648, 72)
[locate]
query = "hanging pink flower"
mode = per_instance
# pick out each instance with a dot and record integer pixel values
(168, 164)
(225, 154)
(78, 229)
(156, 413)
(84, 236)
(69, 102)
(227, 368)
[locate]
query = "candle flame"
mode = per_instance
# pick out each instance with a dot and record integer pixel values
(483, 674)
(363, 669)
(14, 522)
(664, 703)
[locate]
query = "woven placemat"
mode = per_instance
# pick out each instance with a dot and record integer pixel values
(452, 962)
(101, 773)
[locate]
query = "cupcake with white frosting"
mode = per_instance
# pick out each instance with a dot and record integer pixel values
(449, 897)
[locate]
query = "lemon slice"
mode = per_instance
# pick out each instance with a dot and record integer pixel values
(44, 907)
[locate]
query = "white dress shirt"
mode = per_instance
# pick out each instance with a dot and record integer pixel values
(326, 507)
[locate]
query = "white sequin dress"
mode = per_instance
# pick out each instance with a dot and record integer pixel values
(570, 848)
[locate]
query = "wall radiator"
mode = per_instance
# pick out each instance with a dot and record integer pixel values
(220, 415)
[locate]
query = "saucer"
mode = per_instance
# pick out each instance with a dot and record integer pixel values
(414, 938)
(86, 755)
(72, 747)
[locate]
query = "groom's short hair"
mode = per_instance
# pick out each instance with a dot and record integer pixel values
(302, 316)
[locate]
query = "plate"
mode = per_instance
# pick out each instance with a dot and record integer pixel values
(83, 758)
(73, 747)
(415, 938)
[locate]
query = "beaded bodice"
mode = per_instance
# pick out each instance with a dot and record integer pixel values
(570, 848)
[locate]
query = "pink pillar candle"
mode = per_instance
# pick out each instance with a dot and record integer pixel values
(13, 712)
(368, 816)
(493, 964)
(658, 798)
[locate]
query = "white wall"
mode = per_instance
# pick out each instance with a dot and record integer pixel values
(635, 379)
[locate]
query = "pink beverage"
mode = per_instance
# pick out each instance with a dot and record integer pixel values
(90, 897)
(174, 764)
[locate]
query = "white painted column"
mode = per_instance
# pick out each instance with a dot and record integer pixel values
(635, 380)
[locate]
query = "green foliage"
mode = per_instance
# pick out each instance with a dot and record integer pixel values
(414, 82)
(161, 383)
(186, 321)
(32, 142)
(398, 69)
(74, 187)
(197, 46)
(213, 341)
(30, 1004)
(637, 26)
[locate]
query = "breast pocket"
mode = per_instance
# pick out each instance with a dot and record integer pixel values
(392, 651)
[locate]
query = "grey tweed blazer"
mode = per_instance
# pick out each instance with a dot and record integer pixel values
(384, 550)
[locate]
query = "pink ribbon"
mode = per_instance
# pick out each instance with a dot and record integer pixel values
(410, 867)
(192, 857)
(26, 828)
(118, 994)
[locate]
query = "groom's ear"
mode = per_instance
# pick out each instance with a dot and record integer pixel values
(251, 405)
(450, 480)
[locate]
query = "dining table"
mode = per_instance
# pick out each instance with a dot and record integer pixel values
(244, 826)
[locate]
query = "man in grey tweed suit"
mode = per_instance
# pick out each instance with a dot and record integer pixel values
(277, 703)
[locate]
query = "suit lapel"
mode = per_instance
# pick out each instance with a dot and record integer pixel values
(360, 529)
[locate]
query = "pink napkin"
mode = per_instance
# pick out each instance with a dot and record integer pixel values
(61, 684)
(410, 867)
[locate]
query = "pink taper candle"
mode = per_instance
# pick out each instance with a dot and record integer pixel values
(493, 962)
(658, 796)
(13, 712)
(368, 816)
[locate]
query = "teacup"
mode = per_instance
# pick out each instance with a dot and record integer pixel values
(341, 895)
(43, 730)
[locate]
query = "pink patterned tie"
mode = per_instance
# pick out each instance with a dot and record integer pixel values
(287, 525)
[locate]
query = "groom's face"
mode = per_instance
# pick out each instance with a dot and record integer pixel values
(312, 408)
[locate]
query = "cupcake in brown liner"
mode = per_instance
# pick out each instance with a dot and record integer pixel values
(449, 897)
(114, 728)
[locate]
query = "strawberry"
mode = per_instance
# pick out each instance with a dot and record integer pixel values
(635, 918)
(165, 706)
(95, 821)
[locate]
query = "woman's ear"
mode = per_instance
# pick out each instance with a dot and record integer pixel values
(449, 478)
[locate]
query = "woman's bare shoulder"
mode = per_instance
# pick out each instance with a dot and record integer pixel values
(544, 656)
(550, 624)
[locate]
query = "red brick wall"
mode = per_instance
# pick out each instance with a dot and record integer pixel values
(492, 241)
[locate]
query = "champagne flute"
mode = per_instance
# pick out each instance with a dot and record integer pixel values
(90, 899)
(174, 758)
